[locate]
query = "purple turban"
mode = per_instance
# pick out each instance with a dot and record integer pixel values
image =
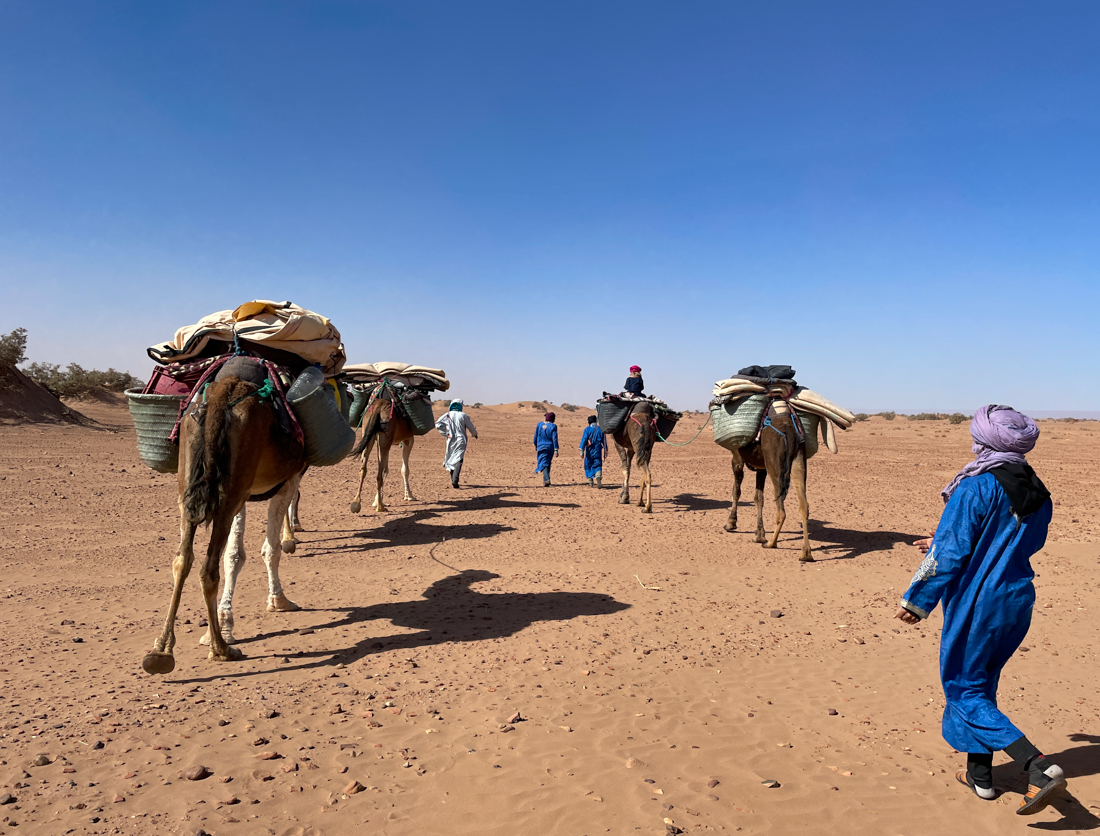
(549, 416)
(1001, 435)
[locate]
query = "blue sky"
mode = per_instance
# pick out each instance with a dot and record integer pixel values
(898, 199)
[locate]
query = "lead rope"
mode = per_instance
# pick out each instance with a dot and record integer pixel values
(686, 443)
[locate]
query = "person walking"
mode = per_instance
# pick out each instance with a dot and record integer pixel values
(546, 446)
(593, 448)
(453, 425)
(977, 563)
(634, 383)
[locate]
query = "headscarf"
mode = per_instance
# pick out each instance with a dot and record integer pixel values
(456, 405)
(1001, 435)
(592, 419)
(549, 416)
(635, 369)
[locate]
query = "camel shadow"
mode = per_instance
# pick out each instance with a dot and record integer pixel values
(695, 502)
(1076, 762)
(450, 610)
(412, 530)
(856, 543)
(498, 502)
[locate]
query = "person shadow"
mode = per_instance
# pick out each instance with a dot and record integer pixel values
(450, 610)
(1076, 762)
(847, 543)
(696, 502)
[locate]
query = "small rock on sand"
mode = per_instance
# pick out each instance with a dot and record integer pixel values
(41, 760)
(7, 798)
(353, 788)
(633, 763)
(196, 773)
(712, 783)
(770, 784)
(777, 613)
(832, 712)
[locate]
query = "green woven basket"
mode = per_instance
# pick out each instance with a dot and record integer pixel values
(735, 423)
(154, 418)
(329, 438)
(419, 412)
(810, 423)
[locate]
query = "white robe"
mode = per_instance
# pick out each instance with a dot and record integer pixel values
(453, 425)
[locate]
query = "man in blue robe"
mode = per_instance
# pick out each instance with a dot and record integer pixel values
(593, 448)
(546, 446)
(978, 564)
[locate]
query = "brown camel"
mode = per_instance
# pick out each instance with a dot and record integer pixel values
(394, 429)
(231, 450)
(636, 438)
(781, 454)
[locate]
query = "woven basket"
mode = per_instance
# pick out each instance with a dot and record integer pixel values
(665, 426)
(810, 423)
(359, 400)
(154, 418)
(329, 438)
(419, 413)
(612, 416)
(735, 423)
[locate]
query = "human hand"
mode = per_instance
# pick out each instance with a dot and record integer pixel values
(904, 615)
(925, 544)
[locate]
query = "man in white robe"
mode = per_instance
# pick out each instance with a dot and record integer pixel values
(453, 425)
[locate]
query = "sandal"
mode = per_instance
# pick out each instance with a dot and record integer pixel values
(1036, 798)
(984, 793)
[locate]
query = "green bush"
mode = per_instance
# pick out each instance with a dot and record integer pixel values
(75, 380)
(570, 407)
(957, 418)
(926, 416)
(888, 416)
(862, 416)
(13, 347)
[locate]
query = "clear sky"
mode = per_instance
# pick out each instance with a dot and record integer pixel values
(900, 199)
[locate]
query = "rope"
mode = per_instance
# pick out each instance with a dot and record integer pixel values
(264, 393)
(686, 443)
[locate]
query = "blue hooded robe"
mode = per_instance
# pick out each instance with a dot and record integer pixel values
(546, 442)
(594, 445)
(979, 565)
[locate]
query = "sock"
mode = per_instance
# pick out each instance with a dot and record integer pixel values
(1024, 752)
(979, 766)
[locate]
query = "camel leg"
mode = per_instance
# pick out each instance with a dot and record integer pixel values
(645, 501)
(295, 523)
(357, 503)
(290, 542)
(738, 478)
(272, 551)
(406, 451)
(383, 471)
(758, 498)
(220, 531)
(625, 456)
(780, 514)
(160, 659)
(232, 562)
(798, 476)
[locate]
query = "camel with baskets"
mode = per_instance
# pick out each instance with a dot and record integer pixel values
(232, 450)
(770, 424)
(634, 441)
(393, 404)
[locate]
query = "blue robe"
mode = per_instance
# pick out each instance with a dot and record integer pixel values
(546, 443)
(594, 445)
(979, 565)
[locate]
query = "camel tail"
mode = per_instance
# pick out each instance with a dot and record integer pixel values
(210, 457)
(371, 423)
(646, 440)
(790, 449)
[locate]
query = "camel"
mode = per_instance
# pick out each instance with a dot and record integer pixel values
(636, 438)
(385, 433)
(781, 454)
(231, 451)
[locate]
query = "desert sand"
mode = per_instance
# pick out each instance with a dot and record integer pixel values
(661, 669)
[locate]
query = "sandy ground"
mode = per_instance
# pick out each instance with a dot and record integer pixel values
(424, 629)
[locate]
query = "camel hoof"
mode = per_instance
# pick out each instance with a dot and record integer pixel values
(356, 507)
(730, 526)
(158, 662)
(624, 501)
(297, 527)
(806, 559)
(647, 510)
(280, 603)
(289, 546)
(232, 654)
(205, 638)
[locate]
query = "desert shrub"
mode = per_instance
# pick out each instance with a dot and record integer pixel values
(926, 416)
(888, 416)
(477, 405)
(13, 347)
(75, 380)
(570, 407)
(538, 405)
(862, 416)
(1068, 420)
(957, 418)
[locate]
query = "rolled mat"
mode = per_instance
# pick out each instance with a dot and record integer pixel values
(811, 397)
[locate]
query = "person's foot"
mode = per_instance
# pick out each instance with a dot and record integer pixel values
(1043, 778)
(986, 793)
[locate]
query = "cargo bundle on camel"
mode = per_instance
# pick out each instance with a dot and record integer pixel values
(636, 422)
(244, 402)
(770, 424)
(393, 403)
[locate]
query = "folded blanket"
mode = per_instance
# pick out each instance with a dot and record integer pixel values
(410, 375)
(279, 325)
